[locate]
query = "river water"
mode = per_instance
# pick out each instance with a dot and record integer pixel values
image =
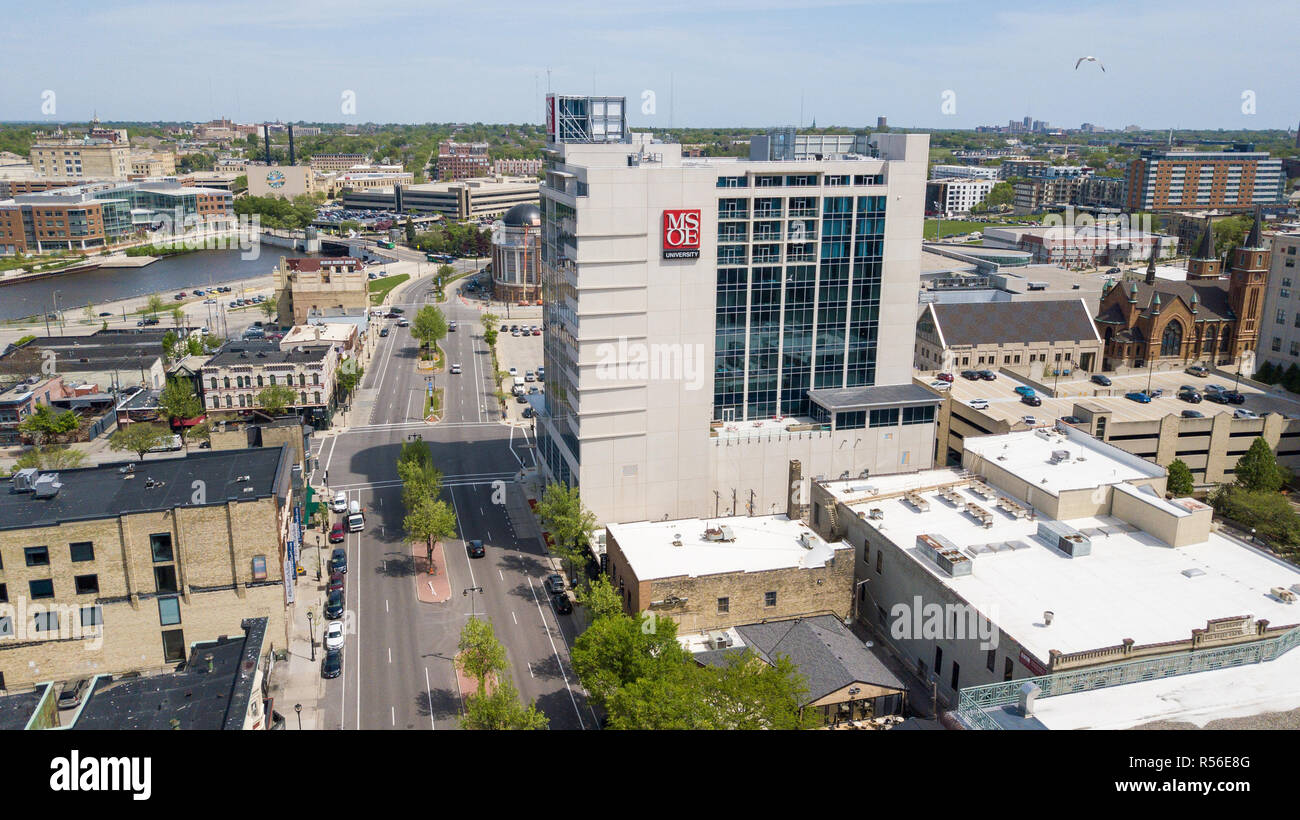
(167, 276)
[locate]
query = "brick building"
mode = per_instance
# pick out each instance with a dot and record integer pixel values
(306, 287)
(463, 160)
(122, 567)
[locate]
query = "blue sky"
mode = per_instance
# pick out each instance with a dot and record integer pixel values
(727, 62)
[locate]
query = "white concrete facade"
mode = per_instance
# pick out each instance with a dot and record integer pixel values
(630, 334)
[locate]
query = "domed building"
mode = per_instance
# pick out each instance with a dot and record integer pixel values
(516, 252)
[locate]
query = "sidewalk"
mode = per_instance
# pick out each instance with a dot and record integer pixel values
(298, 680)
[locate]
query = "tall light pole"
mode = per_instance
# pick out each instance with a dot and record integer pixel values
(311, 630)
(470, 592)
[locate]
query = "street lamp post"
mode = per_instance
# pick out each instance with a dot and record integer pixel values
(297, 707)
(470, 592)
(311, 631)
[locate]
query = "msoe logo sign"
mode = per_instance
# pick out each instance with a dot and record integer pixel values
(102, 774)
(682, 234)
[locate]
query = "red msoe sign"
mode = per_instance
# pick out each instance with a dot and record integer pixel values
(681, 234)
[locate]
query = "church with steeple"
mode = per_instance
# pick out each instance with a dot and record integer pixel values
(1212, 318)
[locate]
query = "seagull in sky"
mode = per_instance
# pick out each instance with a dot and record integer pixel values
(1083, 60)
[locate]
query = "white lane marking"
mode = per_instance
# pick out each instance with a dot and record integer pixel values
(385, 605)
(390, 654)
(428, 694)
(393, 710)
(503, 577)
(512, 447)
(559, 661)
(452, 492)
(513, 618)
(530, 670)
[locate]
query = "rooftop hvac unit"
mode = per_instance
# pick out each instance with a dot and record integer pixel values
(1060, 455)
(24, 480)
(944, 554)
(722, 533)
(1065, 538)
(719, 640)
(805, 540)
(47, 485)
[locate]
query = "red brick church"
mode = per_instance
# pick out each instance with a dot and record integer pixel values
(1211, 319)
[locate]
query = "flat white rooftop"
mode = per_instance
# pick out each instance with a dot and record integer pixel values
(761, 543)
(1199, 698)
(1132, 585)
(1029, 456)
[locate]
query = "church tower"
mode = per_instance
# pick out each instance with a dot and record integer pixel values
(1205, 263)
(1248, 276)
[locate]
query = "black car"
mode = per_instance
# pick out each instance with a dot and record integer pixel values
(1216, 397)
(1193, 414)
(528, 413)
(1032, 401)
(383, 331)
(563, 606)
(332, 666)
(1101, 380)
(396, 310)
(972, 375)
(521, 399)
(475, 548)
(339, 560)
(554, 583)
(1234, 397)
(1071, 419)
(988, 375)
(334, 606)
(1190, 396)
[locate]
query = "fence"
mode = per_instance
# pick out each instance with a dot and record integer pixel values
(975, 701)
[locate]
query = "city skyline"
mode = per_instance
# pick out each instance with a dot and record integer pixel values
(292, 63)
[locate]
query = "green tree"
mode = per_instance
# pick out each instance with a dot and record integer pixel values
(178, 316)
(138, 438)
(617, 650)
(481, 655)
(410, 230)
(51, 457)
(429, 326)
(268, 307)
(1180, 481)
(1002, 194)
(1266, 512)
(197, 432)
(600, 598)
(490, 321)
(178, 401)
(563, 515)
(46, 424)
(348, 375)
(276, 398)
(430, 520)
(153, 305)
(1258, 469)
(501, 710)
(169, 345)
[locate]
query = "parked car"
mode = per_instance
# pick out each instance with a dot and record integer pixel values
(513, 372)
(339, 560)
(1234, 397)
(333, 635)
(938, 385)
(105, 313)
(1138, 396)
(334, 606)
(335, 583)
(1198, 371)
(563, 606)
(340, 502)
(1155, 393)
(1243, 413)
(403, 323)
(73, 692)
(944, 377)
(554, 583)
(1071, 419)
(988, 375)
(528, 376)
(332, 666)
(1023, 390)
(475, 548)
(528, 413)
(396, 310)
(1097, 378)
(1216, 396)
(1032, 401)
(972, 375)
(451, 327)
(537, 331)
(337, 535)
(1030, 420)
(979, 404)
(1193, 414)
(1190, 396)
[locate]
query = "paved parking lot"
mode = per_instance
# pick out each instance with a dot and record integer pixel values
(1004, 403)
(524, 353)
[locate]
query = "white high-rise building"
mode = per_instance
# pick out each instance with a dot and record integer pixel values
(710, 320)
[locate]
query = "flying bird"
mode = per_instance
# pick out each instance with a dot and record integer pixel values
(1083, 60)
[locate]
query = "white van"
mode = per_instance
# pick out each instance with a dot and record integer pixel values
(519, 386)
(356, 519)
(340, 502)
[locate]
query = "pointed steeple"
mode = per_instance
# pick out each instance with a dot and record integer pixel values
(1155, 303)
(1151, 268)
(1194, 302)
(1254, 240)
(1207, 241)
(1133, 293)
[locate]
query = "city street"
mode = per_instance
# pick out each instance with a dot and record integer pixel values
(398, 657)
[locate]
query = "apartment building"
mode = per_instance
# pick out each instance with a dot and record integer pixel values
(708, 320)
(963, 172)
(1279, 341)
(1183, 180)
(517, 167)
(956, 196)
(87, 157)
(235, 376)
(462, 160)
(122, 567)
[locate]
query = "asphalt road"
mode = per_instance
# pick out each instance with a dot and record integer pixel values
(397, 666)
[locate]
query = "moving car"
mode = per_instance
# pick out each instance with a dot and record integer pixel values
(451, 327)
(979, 404)
(455, 369)
(383, 331)
(1138, 396)
(336, 533)
(563, 606)
(475, 548)
(332, 666)
(528, 413)
(513, 371)
(1024, 390)
(554, 583)
(1030, 420)
(339, 561)
(1097, 378)
(403, 323)
(333, 635)
(340, 502)
(528, 376)
(541, 374)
